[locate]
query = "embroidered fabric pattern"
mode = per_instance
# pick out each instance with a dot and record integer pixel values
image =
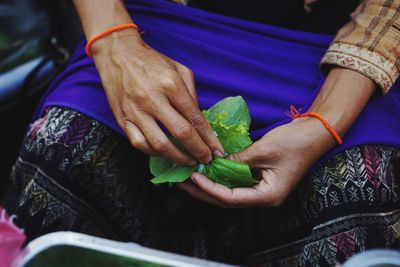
(75, 174)
(369, 42)
(372, 65)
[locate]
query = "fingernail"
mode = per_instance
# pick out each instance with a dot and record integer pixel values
(218, 153)
(194, 177)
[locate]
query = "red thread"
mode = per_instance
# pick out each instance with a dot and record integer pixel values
(107, 32)
(294, 114)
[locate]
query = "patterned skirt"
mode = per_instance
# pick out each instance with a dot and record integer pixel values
(74, 173)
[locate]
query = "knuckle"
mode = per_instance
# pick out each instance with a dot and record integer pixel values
(168, 82)
(160, 145)
(183, 132)
(131, 132)
(141, 95)
(198, 121)
(188, 72)
(129, 111)
(184, 103)
(139, 144)
(126, 124)
(126, 109)
(136, 142)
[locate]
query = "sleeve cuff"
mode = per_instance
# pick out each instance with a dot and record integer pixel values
(366, 62)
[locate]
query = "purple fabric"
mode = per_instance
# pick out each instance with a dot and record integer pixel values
(270, 67)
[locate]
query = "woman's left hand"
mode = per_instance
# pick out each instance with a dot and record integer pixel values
(281, 158)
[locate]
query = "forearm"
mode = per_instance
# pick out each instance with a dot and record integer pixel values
(340, 101)
(342, 98)
(98, 15)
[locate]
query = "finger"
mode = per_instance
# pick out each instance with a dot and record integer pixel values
(160, 142)
(195, 192)
(185, 105)
(137, 139)
(182, 131)
(251, 156)
(238, 197)
(242, 156)
(188, 79)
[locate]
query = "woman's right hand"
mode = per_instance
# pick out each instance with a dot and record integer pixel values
(143, 88)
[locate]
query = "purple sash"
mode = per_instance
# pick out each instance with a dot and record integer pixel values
(270, 67)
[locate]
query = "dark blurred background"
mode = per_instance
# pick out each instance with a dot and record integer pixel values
(36, 40)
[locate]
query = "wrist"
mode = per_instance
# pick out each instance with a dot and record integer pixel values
(116, 42)
(313, 134)
(342, 98)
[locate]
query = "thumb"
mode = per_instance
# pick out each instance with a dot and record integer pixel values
(248, 156)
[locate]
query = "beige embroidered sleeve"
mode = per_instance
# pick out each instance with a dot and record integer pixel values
(370, 42)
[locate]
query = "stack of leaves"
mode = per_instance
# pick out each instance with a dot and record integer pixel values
(230, 121)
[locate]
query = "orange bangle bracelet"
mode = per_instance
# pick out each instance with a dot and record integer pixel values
(294, 114)
(107, 32)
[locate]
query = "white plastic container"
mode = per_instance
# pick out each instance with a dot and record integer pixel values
(72, 249)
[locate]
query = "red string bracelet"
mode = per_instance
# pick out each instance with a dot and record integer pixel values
(107, 32)
(294, 114)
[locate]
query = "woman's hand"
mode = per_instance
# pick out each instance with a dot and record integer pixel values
(280, 158)
(284, 155)
(145, 87)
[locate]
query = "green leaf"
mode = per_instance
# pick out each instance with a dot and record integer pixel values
(230, 119)
(158, 165)
(235, 142)
(230, 173)
(230, 111)
(174, 174)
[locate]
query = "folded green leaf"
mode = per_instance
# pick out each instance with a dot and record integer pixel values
(230, 173)
(175, 174)
(230, 119)
(235, 142)
(231, 112)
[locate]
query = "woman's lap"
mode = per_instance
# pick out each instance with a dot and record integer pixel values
(75, 174)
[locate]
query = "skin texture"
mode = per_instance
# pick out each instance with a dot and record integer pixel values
(284, 155)
(145, 87)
